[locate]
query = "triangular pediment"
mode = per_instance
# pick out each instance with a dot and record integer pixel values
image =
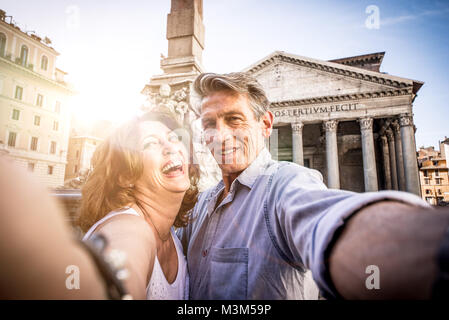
(287, 77)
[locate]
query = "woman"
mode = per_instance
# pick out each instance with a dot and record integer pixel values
(143, 183)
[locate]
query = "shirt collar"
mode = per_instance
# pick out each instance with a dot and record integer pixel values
(247, 177)
(258, 166)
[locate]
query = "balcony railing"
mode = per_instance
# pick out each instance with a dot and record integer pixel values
(70, 200)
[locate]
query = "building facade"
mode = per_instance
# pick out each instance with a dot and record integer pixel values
(344, 118)
(433, 173)
(34, 116)
(80, 152)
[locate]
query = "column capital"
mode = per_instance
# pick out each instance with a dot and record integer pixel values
(330, 125)
(406, 120)
(366, 123)
(396, 127)
(297, 127)
(390, 134)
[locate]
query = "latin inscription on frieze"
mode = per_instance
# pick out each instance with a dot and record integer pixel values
(297, 112)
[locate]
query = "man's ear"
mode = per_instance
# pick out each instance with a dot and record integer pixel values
(267, 123)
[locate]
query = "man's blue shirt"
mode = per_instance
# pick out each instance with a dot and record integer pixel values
(277, 221)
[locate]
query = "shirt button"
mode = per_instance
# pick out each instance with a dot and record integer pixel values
(204, 253)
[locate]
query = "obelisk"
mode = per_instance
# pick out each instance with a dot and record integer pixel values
(173, 89)
(185, 35)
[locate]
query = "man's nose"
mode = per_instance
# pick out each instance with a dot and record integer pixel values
(223, 133)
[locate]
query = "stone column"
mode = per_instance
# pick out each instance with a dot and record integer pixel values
(409, 153)
(273, 144)
(369, 158)
(333, 174)
(399, 156)
(392, 149)
(386, 162)
(298, 155)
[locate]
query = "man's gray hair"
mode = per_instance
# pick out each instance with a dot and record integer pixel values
(238, 82)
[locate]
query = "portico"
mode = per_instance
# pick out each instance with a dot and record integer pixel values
(352, 124)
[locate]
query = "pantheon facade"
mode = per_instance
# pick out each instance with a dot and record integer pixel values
(343, 118)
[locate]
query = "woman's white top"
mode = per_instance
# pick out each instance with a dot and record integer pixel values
(158, 287)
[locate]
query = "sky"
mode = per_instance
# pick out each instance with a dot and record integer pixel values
(110, 49)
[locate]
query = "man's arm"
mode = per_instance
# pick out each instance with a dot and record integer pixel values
(401, 240)
(37, 248)
(309, 218)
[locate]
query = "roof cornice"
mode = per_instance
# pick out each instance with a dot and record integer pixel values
(376, 57)
(38, 76)
(27, 37)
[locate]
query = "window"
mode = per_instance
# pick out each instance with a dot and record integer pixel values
(438, 181)
(37, 120)
(23, 55)
(58, 107)
(12, 139)
(437, 173)
(2, 45)
(439, 191)
(307, 163)
(427, 191)
(19, 93)
(53, 147)
(33, 145)
(435, 163)
(15, 114)
(50, 169)
(39, 100)
(55, 125)
(426, 173)
(44, 63)
(426, 181)
(31, 166)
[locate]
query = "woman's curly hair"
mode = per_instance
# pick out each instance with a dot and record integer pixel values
(117, 165)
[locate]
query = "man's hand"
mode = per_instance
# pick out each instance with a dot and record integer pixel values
(401, 240)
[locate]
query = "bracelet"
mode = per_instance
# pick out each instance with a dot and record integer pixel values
(95, 246)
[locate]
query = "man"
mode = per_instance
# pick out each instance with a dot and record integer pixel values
(255, 234)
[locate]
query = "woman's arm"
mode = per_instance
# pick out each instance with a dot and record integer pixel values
(132, 236)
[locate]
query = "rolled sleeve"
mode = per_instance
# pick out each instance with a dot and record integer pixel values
(334, 219)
